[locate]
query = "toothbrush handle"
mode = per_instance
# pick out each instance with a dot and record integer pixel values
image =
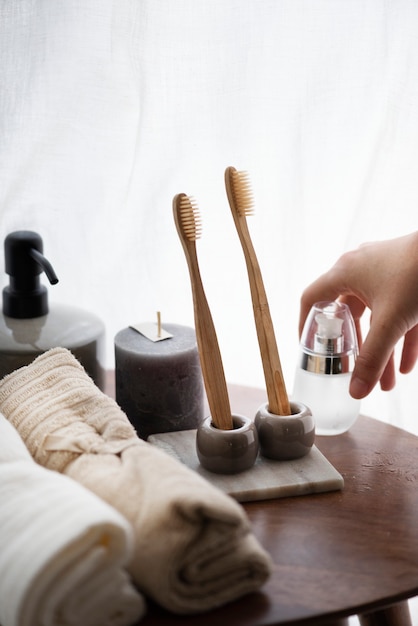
(275, 386)
(210, 356)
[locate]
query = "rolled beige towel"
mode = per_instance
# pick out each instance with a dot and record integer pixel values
(193, 545)
(63, 551)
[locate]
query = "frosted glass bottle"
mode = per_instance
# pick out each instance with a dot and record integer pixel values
(29, 326)
(328, 350)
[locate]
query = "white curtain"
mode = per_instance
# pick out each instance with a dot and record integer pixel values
(108, 108)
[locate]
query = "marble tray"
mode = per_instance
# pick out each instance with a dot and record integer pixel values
(268, 479)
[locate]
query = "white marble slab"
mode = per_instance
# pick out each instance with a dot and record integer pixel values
(268, 479)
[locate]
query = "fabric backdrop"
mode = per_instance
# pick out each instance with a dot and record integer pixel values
(108, 108)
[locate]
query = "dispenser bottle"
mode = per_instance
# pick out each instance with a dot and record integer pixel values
(29, 327)
(328, 349)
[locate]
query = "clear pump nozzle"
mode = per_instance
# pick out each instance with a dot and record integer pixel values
(328, 337)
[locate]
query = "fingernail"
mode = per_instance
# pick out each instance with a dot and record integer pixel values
(358, 388)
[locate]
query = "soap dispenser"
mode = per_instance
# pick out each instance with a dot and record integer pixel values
(328, 350)
(29, 326)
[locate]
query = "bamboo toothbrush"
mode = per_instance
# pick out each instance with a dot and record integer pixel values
(187, 219)
(241, 203)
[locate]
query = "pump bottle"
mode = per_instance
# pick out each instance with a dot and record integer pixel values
(29, 326)
(328, 350)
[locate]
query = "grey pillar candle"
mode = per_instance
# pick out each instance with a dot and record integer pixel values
(159, 384)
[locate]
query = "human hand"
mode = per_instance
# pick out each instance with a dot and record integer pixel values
(383, 277)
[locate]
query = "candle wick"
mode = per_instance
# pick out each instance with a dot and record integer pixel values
(158, 324)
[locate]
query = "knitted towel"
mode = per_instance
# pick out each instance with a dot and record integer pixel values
(193, 546)
(62, 549)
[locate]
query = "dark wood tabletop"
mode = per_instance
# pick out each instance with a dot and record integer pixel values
(336, 554)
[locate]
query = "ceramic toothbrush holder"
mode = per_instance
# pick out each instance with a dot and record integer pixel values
(285, 437)
(227, 451)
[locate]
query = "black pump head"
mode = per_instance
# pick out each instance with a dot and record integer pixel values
(25, 297)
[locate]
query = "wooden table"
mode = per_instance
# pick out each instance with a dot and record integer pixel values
(340, 553)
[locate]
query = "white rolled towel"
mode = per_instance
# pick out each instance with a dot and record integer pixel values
(194, 548)
(63, 551)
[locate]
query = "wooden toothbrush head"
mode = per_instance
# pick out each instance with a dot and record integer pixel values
(239, 192)
(187, 219)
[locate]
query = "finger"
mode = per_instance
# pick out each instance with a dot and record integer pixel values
(388, 378)
(355, 305)
(409, 351)
(373, 358)
(357, 308)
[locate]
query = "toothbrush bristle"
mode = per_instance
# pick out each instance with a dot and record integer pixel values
(190, 218)
(243, 194)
